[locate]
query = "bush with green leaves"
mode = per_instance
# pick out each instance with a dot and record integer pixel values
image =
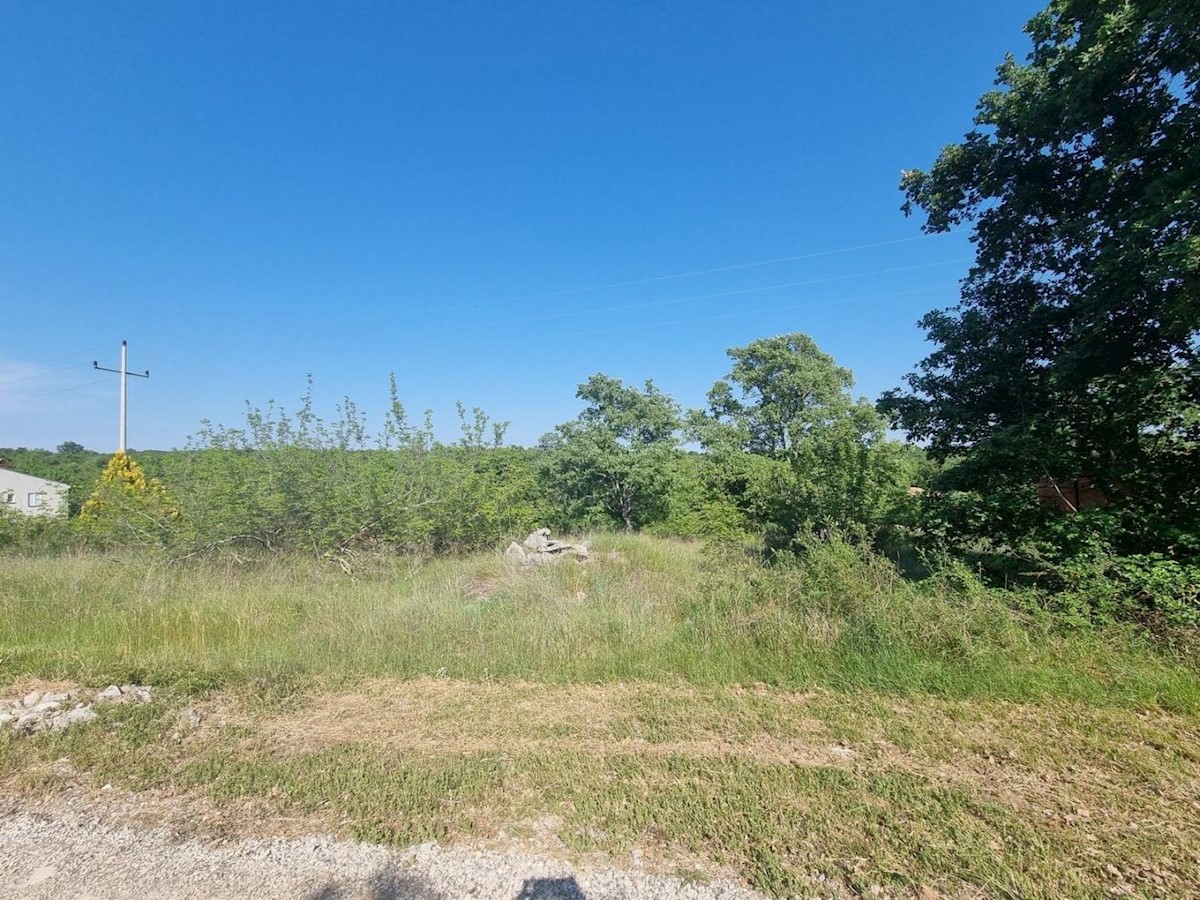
(129, 508)
(616, 463)
(294, 481)
(23, 534)
(792, 447)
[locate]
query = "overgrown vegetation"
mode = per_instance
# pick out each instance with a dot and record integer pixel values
(786, 544)
(937, 742)
(1075, 350)
(782, 459)
(795, 456)
(643, 609)
(813, 723)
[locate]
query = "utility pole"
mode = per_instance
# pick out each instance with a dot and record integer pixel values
(124, 373)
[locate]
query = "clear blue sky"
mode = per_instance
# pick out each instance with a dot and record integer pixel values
(250, 192)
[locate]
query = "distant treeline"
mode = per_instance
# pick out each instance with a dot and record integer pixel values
(782, 451)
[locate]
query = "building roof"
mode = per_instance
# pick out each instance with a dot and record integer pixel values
(6, 470)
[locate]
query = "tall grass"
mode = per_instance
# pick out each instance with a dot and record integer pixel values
(642, 608)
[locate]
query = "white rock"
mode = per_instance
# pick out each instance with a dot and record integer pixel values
(56, 698)
(538, 539)
(112, 692)
(32, 698)
(81, 715)
(46, 706)
(5, 718)
(515, 552)
(192, 717)
(28, 722)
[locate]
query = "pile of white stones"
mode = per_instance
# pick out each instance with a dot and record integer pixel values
(49, 711)
(540, 548)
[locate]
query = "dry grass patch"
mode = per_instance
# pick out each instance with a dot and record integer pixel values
(1107, 799)
(445, 716)
(785, 788)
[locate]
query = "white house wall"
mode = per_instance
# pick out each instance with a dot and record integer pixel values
(30, 495)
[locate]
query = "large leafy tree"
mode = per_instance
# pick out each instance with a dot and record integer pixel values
(790, 441)
(1074, 349)
(780, 390)
(615, 461)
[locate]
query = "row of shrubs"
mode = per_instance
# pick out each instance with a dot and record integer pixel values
(434, 499)
(755, 469)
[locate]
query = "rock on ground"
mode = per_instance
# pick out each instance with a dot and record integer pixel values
(58, 852)
(543, 549)
(39, 712)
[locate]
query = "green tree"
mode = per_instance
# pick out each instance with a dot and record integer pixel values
(828, 463)
(615, 461)
(1074, 349)
(783, 390)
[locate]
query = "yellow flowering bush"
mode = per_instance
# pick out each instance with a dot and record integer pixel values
(127, 503)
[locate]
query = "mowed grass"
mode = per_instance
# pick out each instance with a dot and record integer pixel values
(816, 793)
(821, 729)
(641, 609)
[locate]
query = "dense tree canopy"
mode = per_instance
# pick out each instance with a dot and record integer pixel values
(790, 441)
(614, 461)
(780, 390)
(1074, 350)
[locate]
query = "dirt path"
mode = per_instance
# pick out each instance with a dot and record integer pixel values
(60, 850)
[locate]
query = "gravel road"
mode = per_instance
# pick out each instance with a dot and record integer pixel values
(57, 852)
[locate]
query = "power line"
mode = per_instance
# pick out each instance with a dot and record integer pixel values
(689, 299)
(47, 362)
(696, 272)
(712, 271)
(752, 312)
(44, 374)
(72, 388)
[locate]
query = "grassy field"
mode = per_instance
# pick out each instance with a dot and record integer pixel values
(811, 729)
